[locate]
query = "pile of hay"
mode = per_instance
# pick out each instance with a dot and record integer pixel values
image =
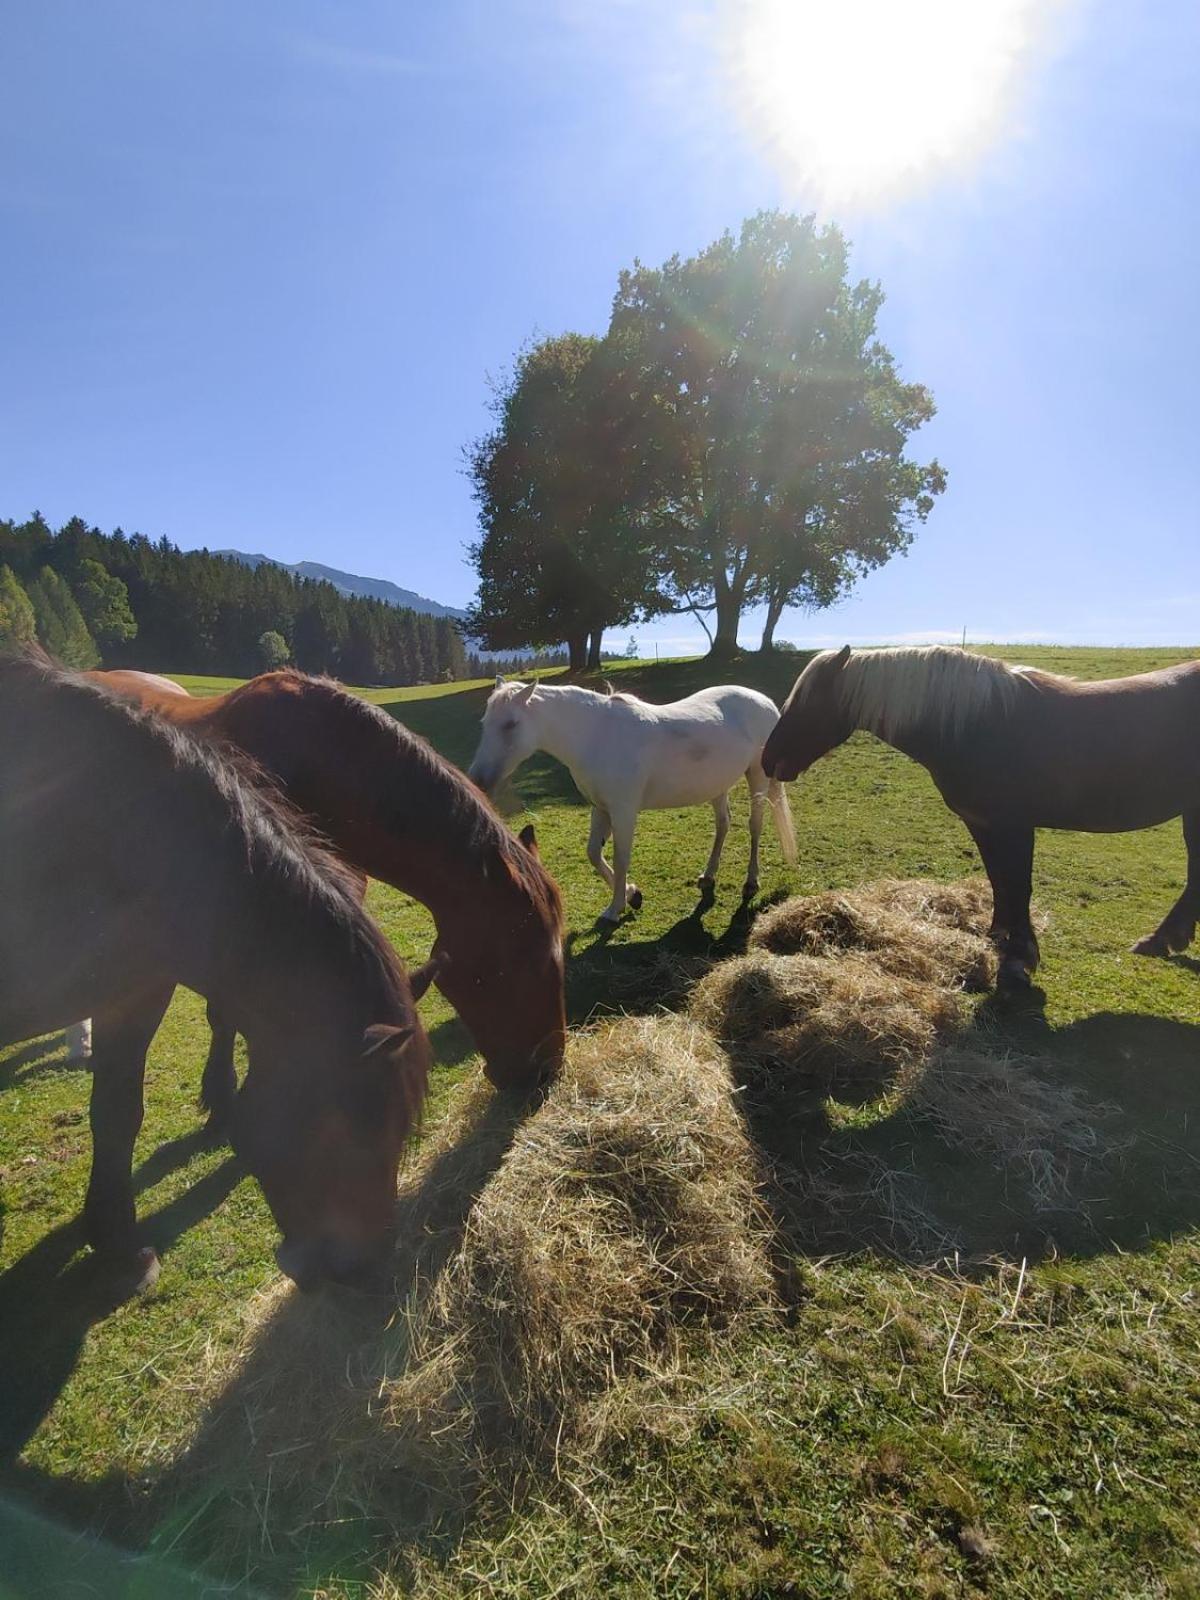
(830, 1025)
(930, 933)
(626, 1210)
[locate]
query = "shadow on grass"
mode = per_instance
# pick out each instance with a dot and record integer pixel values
(58, 1290)
(39, 1056)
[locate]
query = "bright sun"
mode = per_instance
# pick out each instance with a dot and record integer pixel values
(863, 99)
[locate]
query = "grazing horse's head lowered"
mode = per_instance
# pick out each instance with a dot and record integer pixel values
(508, 736)
(814, 719)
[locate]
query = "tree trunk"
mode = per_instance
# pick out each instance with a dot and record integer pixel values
(729, 614)
(577, 652)
(774, 612)
(593, 658)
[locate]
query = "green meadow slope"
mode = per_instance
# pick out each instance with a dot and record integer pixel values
(1019, 1420)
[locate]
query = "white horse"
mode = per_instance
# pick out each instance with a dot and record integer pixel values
(626, 756)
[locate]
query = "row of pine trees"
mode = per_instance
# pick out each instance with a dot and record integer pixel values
(120, 600)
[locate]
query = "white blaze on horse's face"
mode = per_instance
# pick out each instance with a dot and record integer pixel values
(509, 733)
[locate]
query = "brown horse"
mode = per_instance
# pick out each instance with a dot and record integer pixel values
(134, 858)
(394, 809)
(1012, 749)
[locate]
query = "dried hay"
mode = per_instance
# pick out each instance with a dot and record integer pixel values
(906, 932)
(825, 1024)
(625, 1210)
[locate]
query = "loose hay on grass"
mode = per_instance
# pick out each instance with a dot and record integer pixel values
(625, 1210)
(829, 1025)
(891, 926)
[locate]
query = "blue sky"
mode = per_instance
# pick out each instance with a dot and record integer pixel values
(259, 260)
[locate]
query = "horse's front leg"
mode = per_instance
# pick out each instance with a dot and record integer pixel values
(707, 881)
(218, 1086)
(120, 1039)
(1178, 927)
(624, 892)
(1008, 860)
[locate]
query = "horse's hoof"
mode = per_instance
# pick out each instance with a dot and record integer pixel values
(706, 884)
(609, 919)
(749, 889)
(146, 1267)
(216, 1128)
(634, 900)
(1013, 977)
(1152, 945)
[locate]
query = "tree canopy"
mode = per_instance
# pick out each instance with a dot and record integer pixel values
(17, 622)
(60, 625)
(737, 437)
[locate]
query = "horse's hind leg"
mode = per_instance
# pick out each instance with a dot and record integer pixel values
(756, 782)
(120, 1040)
(707, 881)
(1178, 927)
(218, 1086)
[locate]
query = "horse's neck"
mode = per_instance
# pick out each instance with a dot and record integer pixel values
(566, 723)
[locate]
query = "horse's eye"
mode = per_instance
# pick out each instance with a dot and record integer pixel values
(507, 727)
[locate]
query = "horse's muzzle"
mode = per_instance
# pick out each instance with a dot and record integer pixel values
(312, 1262)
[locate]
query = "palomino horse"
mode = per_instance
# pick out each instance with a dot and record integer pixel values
(1012, 749)
(628, 756)
(134, 858)
(393, 809)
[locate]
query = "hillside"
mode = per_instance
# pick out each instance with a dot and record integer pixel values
(349, 583)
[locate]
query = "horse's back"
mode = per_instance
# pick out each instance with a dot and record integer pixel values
(702, 745)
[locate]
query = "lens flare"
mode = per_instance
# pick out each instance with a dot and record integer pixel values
(861, 100)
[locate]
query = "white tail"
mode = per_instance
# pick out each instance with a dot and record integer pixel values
(782, 812)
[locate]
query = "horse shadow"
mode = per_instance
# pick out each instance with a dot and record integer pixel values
(895, 1186)
(37, 1058)
(58, 1290)
(308, 1396)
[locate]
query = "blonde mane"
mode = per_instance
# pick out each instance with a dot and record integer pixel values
(892, 691)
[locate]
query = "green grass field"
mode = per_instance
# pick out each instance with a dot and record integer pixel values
(1020, 1421)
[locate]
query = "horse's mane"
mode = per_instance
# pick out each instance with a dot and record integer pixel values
(229, 789)
(890, 691)
(439, 799)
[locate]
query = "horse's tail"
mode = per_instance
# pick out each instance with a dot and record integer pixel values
(778, 796)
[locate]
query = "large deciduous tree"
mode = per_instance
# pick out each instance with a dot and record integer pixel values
(564, 553)
(104, 601)
(774, 422)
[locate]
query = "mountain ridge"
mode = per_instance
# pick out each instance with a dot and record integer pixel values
(349, 583)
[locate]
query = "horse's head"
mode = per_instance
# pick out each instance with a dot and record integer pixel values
(502, 970)
(814, 719)
(323, 1136)
(508, 734)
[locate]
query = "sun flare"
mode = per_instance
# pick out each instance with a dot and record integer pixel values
(860, 100)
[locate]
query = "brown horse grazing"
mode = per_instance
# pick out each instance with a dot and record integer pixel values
(134, 858)
(394, 809)
(1012, 749)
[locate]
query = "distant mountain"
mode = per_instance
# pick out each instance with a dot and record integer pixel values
(349, 583)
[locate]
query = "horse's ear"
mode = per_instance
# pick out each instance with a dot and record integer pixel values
(842, 657)
(383, 1037)
(499, 680)
(421, 977)
(529, 839)
(527, 692)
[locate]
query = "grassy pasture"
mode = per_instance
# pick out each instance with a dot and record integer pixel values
(1019, 1420)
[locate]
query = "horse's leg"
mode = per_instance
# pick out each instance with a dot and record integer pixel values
(1008, 859)
(79, 1041)
(708, 878)
(756, 782)
(597, 838)
(1178, 927)
(624, 893)
(119, 1044)
(218, 1086)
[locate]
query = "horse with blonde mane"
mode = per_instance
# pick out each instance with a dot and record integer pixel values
(627, 755)
(1013, 749)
